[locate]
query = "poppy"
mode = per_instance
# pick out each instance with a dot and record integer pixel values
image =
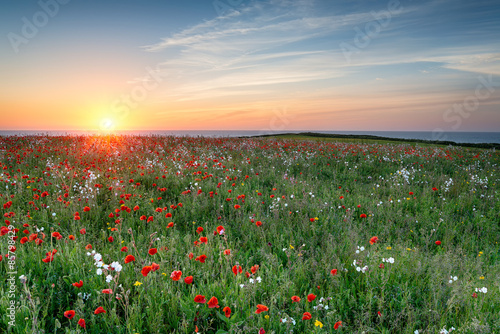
(199, 230)
(129, 258)
(81, 323)
(337, 325)
(78, 285)
(176, 275)
(261, 308)
(24, 240)
(258, 223)
(363, 215)
(124, 249)
(306, 316)
(237, 270)
(69, 314)
(227, 252)
(295, 299)
(220, 230)
(213, 303)
(107, 291)
(227, 311)
(200, 299)
(237, 206)
(152, 251)
(438, 242)
(86, 209)
(188, 280)
(373, 240)
(333, 272)
(145, 271)
(171, 224)
(71, 237)
(110, 239)
(99, 310)
(311, 297)
(201, 258)
(82, 231)
(57, 235)
(254, 268)
(154, 266)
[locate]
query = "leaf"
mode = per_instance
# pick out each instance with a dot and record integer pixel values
(222, 317)
(221, 331)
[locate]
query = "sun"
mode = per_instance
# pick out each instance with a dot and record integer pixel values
(107, 125)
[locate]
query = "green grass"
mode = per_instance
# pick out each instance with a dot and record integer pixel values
(311, 197)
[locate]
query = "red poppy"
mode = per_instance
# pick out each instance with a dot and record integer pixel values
(188, 280)
(237, 206)
(168, 215)
(227, 311)
(154, 266)
(220, 229)
(363, 215)
(411, 193)
(81, 323)
(373, 240)
(333, 272)
(261, 308)
(337, 325)
(306, 316)
(237, 270)
(145, 271)
(200, 299)
(227, 252)
(254, 268)
(153, 251)
(124, 249)
(129, 258)
(110, 239)
(57, 235)
(201, 258)
(438, 242)
(176, 275)
(381, 266)
(474, 295)
(435, 189)
(204, 240)
(78, 285)
(24, 240)
(71, 237)
(191, 255)
(89, 246)
(295, 299)
(199, 230)
(69, 314)
(86, 209)
(99, 310)
(262, 331)
(107, 291)
(213, 303)
(258, 223)
(171, 224)
(311, 297)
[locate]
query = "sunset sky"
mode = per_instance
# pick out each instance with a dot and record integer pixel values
(250, 65)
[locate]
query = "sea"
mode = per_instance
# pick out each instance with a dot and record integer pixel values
(457, 137)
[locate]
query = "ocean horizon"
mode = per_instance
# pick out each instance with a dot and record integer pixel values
(457, 137)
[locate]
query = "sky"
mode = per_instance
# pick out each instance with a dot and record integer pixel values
(325, 65)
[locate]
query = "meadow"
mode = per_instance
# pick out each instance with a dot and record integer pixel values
(151, 234)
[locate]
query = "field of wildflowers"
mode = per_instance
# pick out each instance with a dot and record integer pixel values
(151, 234)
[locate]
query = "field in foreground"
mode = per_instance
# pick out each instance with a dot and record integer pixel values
(214, 235)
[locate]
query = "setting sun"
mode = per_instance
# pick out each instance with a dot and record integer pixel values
(107, 124)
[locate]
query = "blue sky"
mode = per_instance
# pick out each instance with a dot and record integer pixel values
(238, 64)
